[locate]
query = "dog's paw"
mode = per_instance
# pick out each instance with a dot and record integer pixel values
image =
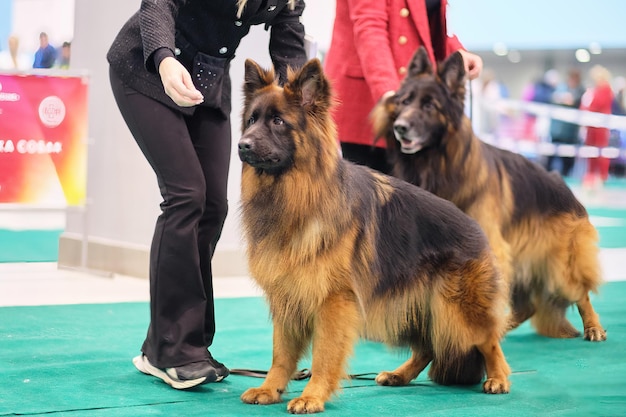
(390, 379)
(595, 334)
(260, 396)
(305, 405)
(496, 386)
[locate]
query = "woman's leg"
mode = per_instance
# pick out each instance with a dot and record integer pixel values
(211, 136)
(178, 299)
(603, 163)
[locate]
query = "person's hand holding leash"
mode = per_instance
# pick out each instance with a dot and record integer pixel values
(473, 64)
(177, 83)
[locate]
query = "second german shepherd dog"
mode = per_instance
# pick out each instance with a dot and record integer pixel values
(541, 234)
(342, 251)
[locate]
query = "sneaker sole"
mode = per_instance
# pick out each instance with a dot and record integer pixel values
(143, 365)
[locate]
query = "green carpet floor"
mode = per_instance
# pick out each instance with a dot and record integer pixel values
(76, 361)
(29, 245)
(612, 235)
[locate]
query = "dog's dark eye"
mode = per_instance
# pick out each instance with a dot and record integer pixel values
(251, 120)
(277, 121)
(428, 105)
(407, 100)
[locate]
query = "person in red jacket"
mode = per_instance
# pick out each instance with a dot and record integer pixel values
(371, 46)
(598, 98)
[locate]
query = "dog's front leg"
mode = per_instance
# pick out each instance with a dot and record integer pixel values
(334, 334)
(288, 348)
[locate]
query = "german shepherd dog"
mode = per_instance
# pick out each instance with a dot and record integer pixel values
(538, 230)
(341, 251)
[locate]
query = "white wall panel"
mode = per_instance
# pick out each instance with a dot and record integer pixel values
(55, 17)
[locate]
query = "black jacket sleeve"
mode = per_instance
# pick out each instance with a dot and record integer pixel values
(157, 25)
(287, 40)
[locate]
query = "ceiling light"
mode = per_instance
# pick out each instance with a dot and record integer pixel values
(500, 49)
(514, 56)
(582, 55)
(595, 48)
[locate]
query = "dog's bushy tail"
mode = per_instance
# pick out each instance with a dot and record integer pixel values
(468, 369)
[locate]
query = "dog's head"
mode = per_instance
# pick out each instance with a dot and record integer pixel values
(283, 127)
(426, 107)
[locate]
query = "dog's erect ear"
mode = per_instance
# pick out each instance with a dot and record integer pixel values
(420, 63)
(256, 78)
(452, 72)
(309, 86)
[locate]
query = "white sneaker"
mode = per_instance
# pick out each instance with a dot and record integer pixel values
(181, 377)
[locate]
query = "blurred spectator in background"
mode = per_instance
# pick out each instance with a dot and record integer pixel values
(617, 137)
(46, 55)
(619, 102)
(540, 91)
(489, 92)
(11, 58)
(64, 56)
(545, 87)
(568, 94)
(598, 98)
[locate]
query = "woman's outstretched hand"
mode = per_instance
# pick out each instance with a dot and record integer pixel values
(177, 83)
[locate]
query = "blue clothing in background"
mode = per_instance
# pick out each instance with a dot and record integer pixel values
(45, 57)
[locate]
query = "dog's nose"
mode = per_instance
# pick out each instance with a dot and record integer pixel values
(245, 145)
(401, 127)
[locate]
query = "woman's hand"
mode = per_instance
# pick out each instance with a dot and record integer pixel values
(177, 83)
(473, 64)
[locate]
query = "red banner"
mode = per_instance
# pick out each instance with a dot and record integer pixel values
(43, 139)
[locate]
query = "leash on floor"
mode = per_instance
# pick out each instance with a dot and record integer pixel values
(298, 376)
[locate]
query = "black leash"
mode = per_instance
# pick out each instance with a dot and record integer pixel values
(471, 102)
(298, 376)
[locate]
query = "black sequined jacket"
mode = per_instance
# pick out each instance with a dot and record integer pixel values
(203, 35)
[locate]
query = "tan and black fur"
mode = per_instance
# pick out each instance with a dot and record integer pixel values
(541, 234)
(342, 251)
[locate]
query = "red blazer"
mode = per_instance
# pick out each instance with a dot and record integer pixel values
(371, 46)
(599, 100)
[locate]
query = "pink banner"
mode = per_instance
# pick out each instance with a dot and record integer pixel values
(43, 139)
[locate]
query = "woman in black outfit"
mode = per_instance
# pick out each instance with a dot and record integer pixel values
(169, 69)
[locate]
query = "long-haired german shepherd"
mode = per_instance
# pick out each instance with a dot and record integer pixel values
(341, 251)
(540, 233)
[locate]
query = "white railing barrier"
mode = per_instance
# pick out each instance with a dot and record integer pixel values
(583, 118)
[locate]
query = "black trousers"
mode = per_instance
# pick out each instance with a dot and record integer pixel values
(190, 156)
(373, 157)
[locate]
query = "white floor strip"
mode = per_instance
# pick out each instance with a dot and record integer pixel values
(36, 283)
(32, 220)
